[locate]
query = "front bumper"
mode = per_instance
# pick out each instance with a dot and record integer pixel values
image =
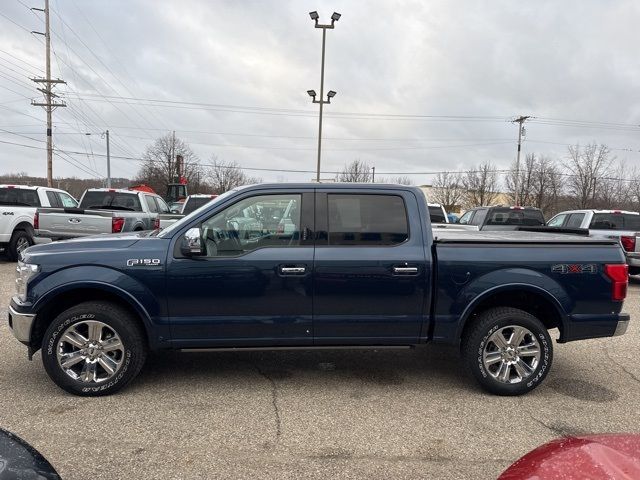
(21, 324)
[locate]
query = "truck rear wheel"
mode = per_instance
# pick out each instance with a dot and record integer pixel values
(508, 351)
(93, 349)
(20, 240)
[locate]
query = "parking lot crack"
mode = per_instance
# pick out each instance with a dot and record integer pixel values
(622, 366)
(274, 399)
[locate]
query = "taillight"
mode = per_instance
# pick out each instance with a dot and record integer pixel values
(117, 223)
(36, 221)
(156, 223)
(628, 243)
(619, 276)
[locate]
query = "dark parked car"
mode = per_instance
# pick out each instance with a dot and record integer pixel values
(502, 218)
(353, 265)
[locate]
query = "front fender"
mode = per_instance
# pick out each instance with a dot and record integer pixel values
(45, 290)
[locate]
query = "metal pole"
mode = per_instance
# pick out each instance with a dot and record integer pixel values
(324, 36)
(373, 175)
(48, 96)
(108, 162)
(517, 181)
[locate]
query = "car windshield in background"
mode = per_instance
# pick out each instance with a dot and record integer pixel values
(114, 200)
(615, 221)
(512, 216)
(19, 196)
(436, 214)
(195, 203)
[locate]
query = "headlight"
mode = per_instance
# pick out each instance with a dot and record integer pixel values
(24, 272)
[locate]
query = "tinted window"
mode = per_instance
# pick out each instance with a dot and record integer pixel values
(507, 216)
(19, 196)
(478, 218)
(254, 222)
(575, 220)
(54, 201)
(114, 200)
(436, 214)
(194, 203)
(615, 221)
(367, 220)
(151, 203)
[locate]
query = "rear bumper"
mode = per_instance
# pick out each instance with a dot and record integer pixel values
(584, 326)
(633, 259)
(21, 324)
(48, 235)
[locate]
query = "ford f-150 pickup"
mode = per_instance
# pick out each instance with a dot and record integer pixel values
(102, 210)
(353, 265)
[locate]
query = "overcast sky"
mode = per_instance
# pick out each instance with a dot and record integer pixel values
(422, 86)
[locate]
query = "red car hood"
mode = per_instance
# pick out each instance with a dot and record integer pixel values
(593, 457)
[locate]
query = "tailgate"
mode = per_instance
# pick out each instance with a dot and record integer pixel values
(69, 223)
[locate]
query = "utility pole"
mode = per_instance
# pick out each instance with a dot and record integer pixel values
(49, 103)
(373, 174)
(108, 161)
(312, 93)
(520, 120)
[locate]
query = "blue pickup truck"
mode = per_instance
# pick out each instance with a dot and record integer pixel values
(314, 266)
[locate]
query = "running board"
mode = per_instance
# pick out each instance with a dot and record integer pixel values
(310, 347)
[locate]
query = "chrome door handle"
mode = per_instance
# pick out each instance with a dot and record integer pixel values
(405, 270)
(293, 270)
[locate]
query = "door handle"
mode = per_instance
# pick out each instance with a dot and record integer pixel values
(292, 270)
(405, 270)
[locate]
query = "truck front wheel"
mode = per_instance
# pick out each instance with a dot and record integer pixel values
(94, 348)
(507, 350)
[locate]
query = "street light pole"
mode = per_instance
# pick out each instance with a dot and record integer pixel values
(334, 18)
(108, 161)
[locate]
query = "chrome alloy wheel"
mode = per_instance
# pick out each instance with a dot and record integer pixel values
(511, 354)
(90, 351)
(22, 244)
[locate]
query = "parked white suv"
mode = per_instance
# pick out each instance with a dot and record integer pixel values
(18, 204)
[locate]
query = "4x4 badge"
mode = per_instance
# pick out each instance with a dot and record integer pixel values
(575, 268)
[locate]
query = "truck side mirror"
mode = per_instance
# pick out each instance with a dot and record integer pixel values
(191, 243)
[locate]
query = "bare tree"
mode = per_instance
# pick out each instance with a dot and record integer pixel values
(448, 190)
(615, 192)
(159, 165)
(480, 184)
(356, 171)
(546, 186)
(398, 180)
(525, 179)
(224, 175)
(587, 167)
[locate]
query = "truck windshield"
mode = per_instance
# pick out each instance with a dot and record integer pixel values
(436, 214)
(111, 200)
(530, 217)
(20, 197)
(167, 232)
(615, 221)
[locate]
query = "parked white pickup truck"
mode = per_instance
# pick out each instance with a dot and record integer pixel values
(103, 210)
(18, 204)
(619, 224)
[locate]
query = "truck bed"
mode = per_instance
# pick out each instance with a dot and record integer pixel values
(464, 236)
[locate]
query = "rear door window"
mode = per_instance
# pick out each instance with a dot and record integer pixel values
(478, 218)
(367, 219)
(151, 203)
(162, 206)
(54, 200)
(557, 221)
(575, 220)
(19, 197)
(511, 216)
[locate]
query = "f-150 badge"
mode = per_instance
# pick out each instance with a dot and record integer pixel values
(143, 262)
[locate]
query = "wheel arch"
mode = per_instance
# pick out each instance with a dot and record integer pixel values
(530, 298)
(55, 302)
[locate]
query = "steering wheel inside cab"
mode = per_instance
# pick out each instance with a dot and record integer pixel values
(222, 241)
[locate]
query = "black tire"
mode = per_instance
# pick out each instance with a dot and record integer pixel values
(477, 336)
(17, 238)
(118, 320)
(634, 270)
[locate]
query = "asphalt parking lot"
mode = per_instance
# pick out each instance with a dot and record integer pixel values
(318, 414)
